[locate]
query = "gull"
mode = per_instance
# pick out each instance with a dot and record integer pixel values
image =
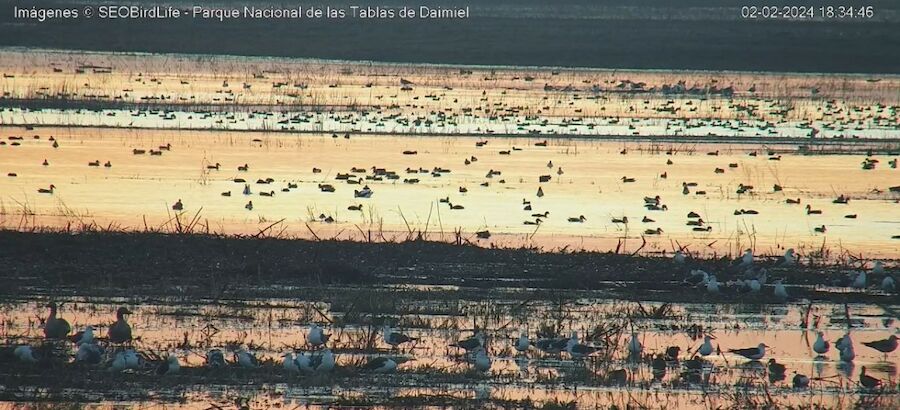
(888, 284)
(712, 285)
(790, 258)
(847, 353)
(482, 361)
(317, 336)
(246, 359)
(679, 257)
(26, 354)
(780, 290)
(85, 336)
(878, 268)
(634, 345)
(381, 365)
(472, 343)
(579, 350)
(522, 344)
(395, 338)
(215, 358)
(860, 281)
(820, 346)
(706, 348)
(304, 363)
(89, 353)
(752, 353)
(843, 341)
(289, 364)
(747, 259)
(54, 327)
(884, 345)
(551, 344)
(697, 277)
(327, 362)
(169, 366)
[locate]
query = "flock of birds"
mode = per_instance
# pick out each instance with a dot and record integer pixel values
(118, 353)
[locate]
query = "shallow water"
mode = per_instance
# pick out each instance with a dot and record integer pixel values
(432, 369)
(140, 189)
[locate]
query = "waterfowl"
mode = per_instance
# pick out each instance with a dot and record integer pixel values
(169, 366)
(540, 192)
(579, 350)
(463, 190)
(622, 220)
(867, 381)
(269, 194)
(545, 214)
(821, 346)
(780, 290)
(244, 167)
(579, 219)
(712, 284)
(304, 363)
(54, 327)
(120, 332)
(470, 344)
(226, 193)
(482, 361)
(811, 211)
(215, 167)
(107, 164)
(452, 206)
(47, 190)
(94, 163)
(820, 229)
(702, 229)
(706, 348)
(316, 170)
(672, 353)
(215, 358)
(846, 353)
(628, 180)
(537, 221)
(355, 208)
(634, 346)
(679, 257)
(289, 363)
(775, 367)
(85, 336)
(485, 234)
(316, 336)
(859, 282)
(45, 163)
(326, 362)
(381, 365)
(366, 192)
(843, 341)
(800, 381)
(178, 206)
(793, 201)
(26, 354)
(888, 284)
(746, 259)
(790, 258)
(559, 171)
(246, 359)
(657, 231)
(522, 343)
(249, 206)
(396, 338)
(89, 353)
(647, 220)
(752, 353)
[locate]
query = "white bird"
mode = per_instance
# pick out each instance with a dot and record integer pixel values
(860, 281)
(327, 363)
(482, 361)
(634, 345)
(170, 366)
(26, 354)
(878, 269)
(780, 290)
(317, 336)
(246, 359)
(790, 258)
(706, 348)
(747, 258)
(303, 363)
(820, 346)
(84, 336)
(679, 257)
(132, 360)
(89, 353)
(522, 344)
(118, 363)
(843, 342)
(888, 284)
(754, 285)
(712, 285)
(289, 364)
(847, 353)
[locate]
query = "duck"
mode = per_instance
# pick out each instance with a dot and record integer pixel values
(657, 231)
(647, 220)
(226, 193)
(622, 220)
(821, 346)
(215, 167)
(178, 206)
(775, 367)
(169, 367)
(381, 365)
(355, 208)
(243, 168)
(628, 180)
(48, 190)
(316, 336)
(820, 229)
(579, 219)
(811, 211)
(45, 163)
(395, 339)
(752, 353)
(55, 328)
(120, 332)
(249, 206)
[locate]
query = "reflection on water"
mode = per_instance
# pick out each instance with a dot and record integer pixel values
(432, 372)
(585, 179)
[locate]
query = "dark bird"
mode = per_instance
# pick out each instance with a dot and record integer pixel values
(884, 345)
(752, 353)
(58, 328)
(396, 338)
(867, 381)
(120, 332)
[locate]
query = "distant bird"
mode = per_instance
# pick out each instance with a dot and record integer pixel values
(246, 359)
(327, 362)
(747, 259)
(89, 353)
(843, 341)
(867, 381)
(381, 365)
(289, 363)
(884, 345)
(83, 337)
(316, 336)
(712, 285)
(522, 343)
(579, 219)
(800, 381)
(752, 353)
(120, 332)
(679, 257)
(821, 346)
(888, 284)
(472, 343)
(540, 192)
(790, 258)
(215, 358)
(847, 354)
(249, 206)
(775, 367)
(780, 290)
(54, 327)
(878, 268)
(178, 206)
(396, 338)
(26, 354)
(706, 348)
(47, 190)
(482, 361)
(634, 346)
(169, 367)
(304, 363)
(579, 350)
(860, 281)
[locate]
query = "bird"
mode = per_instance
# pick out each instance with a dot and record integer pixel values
(120, 332)
(381, 365)
(249, 206)
(790, 258)
(821, 346)
(706, 348)
(775, 367)
(169, 366)
(246, 359)
(471, 343)
(843, 341)
(89, 353)
(327, 362)
(672, 353)
(747, 259)
(26, 354)
(304, 363)
(288, 363)
(54, 327)
(884, 345)
(888, 284)
(215, 358)
(800, 381)
(316, 336)
(178, 206)
(752, 353)
(679, 257)
(578, 350)
(579, 219)
(85, 336)
(634, 346)
(396, 338)
(878, 268)
(712, 284)
(867, 381)
(522, 343)
(482, 361)
(780, 290)
(860, 281)
(847, 354)
(48, 190)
